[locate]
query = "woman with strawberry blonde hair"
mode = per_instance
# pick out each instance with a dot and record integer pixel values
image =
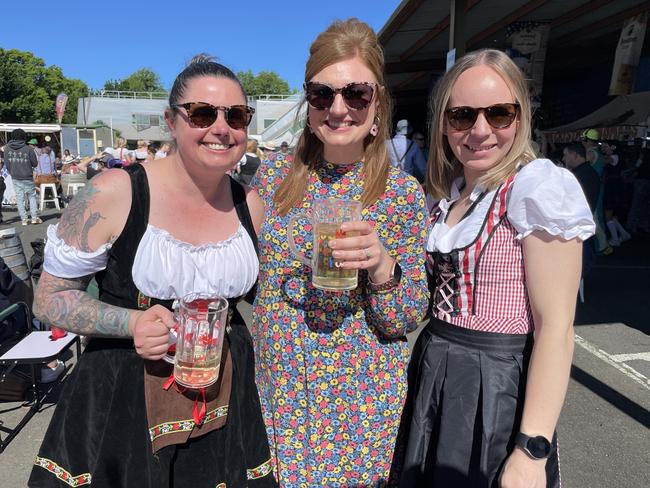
(331, 365)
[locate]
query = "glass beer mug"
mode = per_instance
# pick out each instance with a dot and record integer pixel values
(200, 328)
(326, 219)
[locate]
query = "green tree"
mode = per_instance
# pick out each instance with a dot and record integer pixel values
(143, 80)
(265, 82)
(28, 89)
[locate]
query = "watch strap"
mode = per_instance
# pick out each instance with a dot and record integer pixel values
(393, 281)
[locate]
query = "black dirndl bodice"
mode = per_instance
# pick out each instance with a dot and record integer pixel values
(465, 398)
(99, 436)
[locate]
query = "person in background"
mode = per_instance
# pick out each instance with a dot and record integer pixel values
(141, 154)
(268, 150)
(591, 141)
(247, 167)
(46, 166)
(421, 141)
(489, 372)
(574, 157)
(163, 151)
(33, 143)
(614, 196)
(405, 153)
(331, 365)
(152, 234)
(20, 160)
(121, 152)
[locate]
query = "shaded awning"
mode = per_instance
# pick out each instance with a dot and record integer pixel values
(416, 37)
(625, 117)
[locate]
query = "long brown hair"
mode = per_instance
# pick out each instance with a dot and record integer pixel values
(341, 41)
(443, 167)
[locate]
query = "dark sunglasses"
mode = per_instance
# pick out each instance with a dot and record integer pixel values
(202, 115)
(356, 95)
(499, 116)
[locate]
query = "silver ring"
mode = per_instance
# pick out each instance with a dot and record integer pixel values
(367, 253)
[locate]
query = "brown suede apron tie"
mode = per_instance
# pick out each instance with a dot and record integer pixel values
(173, 414)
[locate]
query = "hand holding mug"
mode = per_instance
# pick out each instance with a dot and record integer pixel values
(150, 331)
(362, 251)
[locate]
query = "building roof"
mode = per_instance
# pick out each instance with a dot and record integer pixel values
(416, 37)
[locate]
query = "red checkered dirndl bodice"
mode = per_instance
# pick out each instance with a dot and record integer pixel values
(482, 286)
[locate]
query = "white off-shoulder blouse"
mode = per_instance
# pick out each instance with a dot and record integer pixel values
(543, 197)
(165, 267)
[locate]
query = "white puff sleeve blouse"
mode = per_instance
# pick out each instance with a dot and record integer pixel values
(543, 197)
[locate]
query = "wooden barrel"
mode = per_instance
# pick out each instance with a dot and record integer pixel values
(12, 253)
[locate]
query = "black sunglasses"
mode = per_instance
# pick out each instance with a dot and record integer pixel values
(202, 115)
(499, 116)
(356, 95)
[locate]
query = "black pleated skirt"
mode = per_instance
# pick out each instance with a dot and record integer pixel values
(463, 408)
(98, 435)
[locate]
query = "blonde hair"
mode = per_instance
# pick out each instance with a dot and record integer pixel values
(251, 146)
(443, 167)
(342, 40)
(142, 143)
(119, 143)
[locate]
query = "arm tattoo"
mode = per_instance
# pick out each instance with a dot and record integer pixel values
(77, 221)
(64, 303)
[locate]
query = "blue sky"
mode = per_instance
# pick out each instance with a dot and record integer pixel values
(100, 40)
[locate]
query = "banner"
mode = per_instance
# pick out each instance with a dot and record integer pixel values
(528, 41)
(628, 53)
(61, 101)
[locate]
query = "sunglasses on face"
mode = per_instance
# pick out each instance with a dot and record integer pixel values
(356, 95)
(499, 116)
(202, 115)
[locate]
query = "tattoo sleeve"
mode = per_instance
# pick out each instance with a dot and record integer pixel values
(64, 303)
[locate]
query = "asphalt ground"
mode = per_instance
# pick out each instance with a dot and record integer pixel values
(604, 430)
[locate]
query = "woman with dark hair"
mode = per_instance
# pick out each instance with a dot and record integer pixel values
(152, 234)
(331, 365)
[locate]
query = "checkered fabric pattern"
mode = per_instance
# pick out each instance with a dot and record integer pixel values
(482, 286)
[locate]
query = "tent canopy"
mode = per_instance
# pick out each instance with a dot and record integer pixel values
(32, 128)
(625, 117)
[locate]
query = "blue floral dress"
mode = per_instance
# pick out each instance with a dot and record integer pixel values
(331, 367)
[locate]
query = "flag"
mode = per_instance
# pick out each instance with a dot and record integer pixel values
(628, 53)
(528, 41)
(61, 101)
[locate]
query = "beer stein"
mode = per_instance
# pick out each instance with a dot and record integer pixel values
(200, 328)
(326, 219)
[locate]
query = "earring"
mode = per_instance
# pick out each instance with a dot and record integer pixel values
(374, 130)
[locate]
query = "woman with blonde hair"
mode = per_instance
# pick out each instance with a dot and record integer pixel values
(489, 372)
(120, 151)
(331, 365)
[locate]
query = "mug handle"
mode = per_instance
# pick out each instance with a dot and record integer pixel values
(173, 339)
(292, 244)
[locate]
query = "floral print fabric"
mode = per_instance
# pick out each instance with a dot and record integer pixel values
(331, 365)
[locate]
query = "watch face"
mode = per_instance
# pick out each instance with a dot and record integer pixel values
(539, 446)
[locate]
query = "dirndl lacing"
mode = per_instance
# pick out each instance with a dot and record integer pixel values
(463, 408)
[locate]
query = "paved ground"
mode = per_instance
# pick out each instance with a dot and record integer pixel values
(604, 430)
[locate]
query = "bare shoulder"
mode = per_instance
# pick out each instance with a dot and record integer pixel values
(255, 206)
(97, 214)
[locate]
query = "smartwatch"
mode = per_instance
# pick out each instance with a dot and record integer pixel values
(536, 447)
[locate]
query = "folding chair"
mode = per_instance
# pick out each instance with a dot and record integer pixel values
(35, 349)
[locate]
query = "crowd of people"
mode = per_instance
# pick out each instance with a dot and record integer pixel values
(323, 390)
